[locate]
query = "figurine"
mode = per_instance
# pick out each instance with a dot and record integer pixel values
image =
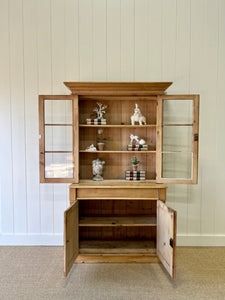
(136, 138)
(137, 116)
(97, 169)
(91, 148)
(100, 110)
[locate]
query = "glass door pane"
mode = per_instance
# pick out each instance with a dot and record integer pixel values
(177, 127)
(58, 141)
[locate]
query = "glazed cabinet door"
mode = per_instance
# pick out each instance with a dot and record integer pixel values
(166, 236)
(177, 139)
(71, 236)
(59, 139)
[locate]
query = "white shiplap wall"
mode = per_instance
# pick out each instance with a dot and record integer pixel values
(46, 42)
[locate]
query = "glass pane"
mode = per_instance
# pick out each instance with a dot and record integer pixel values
(58, 111)
(177, 165)
(58, 165)
(58, 138)
(177, 138)
(178, 111)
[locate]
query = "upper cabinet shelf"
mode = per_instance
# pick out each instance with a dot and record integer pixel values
(119, 126)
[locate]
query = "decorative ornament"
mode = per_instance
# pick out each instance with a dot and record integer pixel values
(91, 148)
(136, 138)
(97, 169)
(100, 110)
(136, 144)
(137, 116)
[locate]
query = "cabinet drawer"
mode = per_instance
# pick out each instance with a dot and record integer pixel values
(147, 194)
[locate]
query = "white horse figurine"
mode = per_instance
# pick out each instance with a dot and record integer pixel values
(137, 116)
(97, 169)
(136, 138)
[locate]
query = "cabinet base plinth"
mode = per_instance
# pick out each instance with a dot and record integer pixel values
(117, 258)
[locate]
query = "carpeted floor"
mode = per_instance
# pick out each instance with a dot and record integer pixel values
(37, 273)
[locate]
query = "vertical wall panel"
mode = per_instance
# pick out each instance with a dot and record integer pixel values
(58, 46)
(208, 110)
(18, 115)
(99, 40)
(127, 40)
(154, 31)
(196, 86)
(31, 114)
(85, 40)
(45, 87)
(169, 19)
(6, 196)
(113, 40)
(141, 40)
(220, 125)
(71, 41)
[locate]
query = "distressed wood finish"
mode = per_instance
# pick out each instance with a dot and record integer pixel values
(166, 230)
(117, 192)
(117, 258)
(115, 247)
(195, 139)
(71, 236)
(117, 88)
(117, 221)
(76, 139)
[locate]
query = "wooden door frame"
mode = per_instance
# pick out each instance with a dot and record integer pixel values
(195, 138)
(75, 151)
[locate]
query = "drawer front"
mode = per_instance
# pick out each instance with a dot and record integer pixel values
(118, 193)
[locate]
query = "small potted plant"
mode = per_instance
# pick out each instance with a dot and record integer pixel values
(135, 163)
(101, 143)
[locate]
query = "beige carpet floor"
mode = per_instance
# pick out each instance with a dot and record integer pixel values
(37, 273)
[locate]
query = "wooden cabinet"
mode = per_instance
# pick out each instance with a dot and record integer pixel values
(117, 220)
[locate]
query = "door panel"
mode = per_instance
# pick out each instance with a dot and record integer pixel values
(71, 236)
(177, 139)
(59, 143)
(166, 236)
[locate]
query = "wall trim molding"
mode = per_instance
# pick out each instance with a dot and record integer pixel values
(201, 240)
(57, 240)
(31, 239)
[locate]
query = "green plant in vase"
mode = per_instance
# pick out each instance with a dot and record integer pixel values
(135, 163)
(101, 143)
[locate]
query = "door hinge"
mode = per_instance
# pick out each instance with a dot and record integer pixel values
(171, 242)
(196, 137)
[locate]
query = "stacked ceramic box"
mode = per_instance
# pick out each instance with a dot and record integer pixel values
(96, 121)
(137, 147)
(135, 175)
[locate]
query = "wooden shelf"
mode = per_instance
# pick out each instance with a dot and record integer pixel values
(119, 126)
(117, 221)
(122, 247)
(115, 151)
(119, 183)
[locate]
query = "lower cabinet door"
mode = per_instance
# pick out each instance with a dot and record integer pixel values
(166, 236)
(71, 236)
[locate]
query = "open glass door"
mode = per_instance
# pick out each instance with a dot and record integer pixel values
(71, 236)
(59, 144)
(177, 138)
(166, 236)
